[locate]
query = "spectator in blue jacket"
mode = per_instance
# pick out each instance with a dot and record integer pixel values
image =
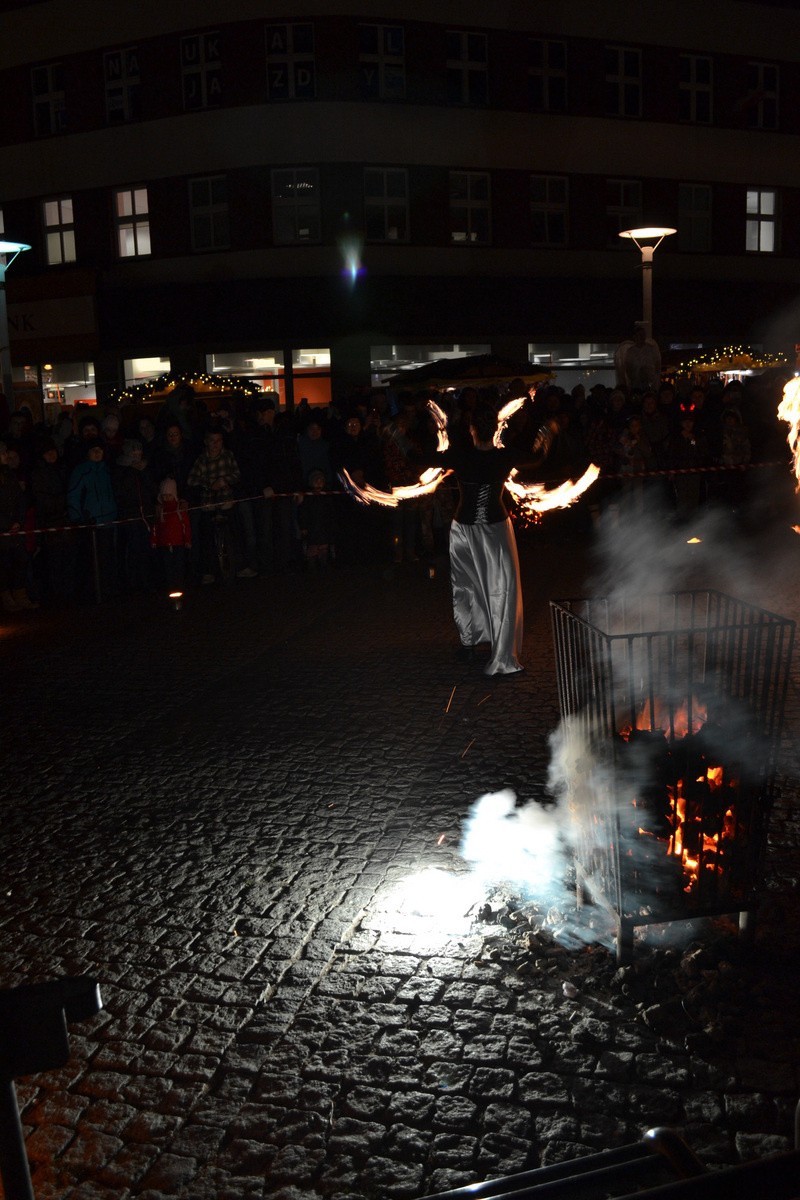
(90, 495)
(91, 501)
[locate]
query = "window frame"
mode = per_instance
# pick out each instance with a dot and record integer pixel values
(692, 238)
(549, 207)
(692, 89)
(62, 230)
(384, 61)
(759, 220)
(472, 206)
(548, 75)
(137, 221)
(620, 81)
(759, 95)
(385, 203)
(467, 70)
(128, 85)
(295, 206)
(622, 215)
(50, 100)
(214, 211)
(205, 68)
(290, 61)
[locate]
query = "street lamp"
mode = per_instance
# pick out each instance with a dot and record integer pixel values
(12, 248)
(648, 238)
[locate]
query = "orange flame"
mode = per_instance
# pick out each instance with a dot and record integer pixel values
(429, 480)
(535, 498)
(660, 717)
(504, 416)
(708, 845)
(789, 411)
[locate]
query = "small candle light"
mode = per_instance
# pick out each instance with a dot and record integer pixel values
(177, 600)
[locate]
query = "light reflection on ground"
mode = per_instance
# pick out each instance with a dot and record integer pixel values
(428, 902)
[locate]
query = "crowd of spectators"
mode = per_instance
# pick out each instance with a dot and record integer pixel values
(110, 501)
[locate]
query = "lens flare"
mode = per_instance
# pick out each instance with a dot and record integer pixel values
(351, 248)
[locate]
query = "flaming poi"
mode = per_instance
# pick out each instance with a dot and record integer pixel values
(531, 498)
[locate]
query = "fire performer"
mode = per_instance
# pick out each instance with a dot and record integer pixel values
(487, 598)
(484, 565)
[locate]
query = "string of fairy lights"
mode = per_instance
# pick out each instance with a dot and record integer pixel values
(732, 358)
(200, 380)
(725, 358)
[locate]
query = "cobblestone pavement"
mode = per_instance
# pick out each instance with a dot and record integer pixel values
(214, 811)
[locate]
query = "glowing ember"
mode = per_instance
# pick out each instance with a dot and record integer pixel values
(702, 827)
(697, 849)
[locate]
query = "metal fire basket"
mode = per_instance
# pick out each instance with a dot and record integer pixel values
(672, 711)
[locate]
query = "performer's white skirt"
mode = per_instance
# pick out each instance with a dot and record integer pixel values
(487, 594)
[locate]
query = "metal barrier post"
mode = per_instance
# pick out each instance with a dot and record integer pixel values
(33, 1038)
(14, 1170)
(98, 593)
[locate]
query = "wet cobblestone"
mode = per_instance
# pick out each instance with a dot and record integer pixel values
(208, 811)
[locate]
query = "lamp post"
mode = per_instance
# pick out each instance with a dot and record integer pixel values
(647, 239)
(12, 248)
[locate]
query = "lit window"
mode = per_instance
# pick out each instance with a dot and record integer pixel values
(295, 205)
(386, 204)
(547, 75)
(382, 62)
(695, 89)
(548, 210)
(469, 207)
(290, 62)
(623, 81)
(121, 69)
(49, 103)
(208, 204)
(140, 370)
(762, 221)
(201, 68)
(132, 218)
(467, 68)
(59, 229)
(694, 217)
(761, 102)
(623, 208)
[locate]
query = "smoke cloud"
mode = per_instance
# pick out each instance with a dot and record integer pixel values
(533, 848)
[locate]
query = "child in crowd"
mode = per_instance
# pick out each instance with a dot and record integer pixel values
(315, 514)
(172, 534)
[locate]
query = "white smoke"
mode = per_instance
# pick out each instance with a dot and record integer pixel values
(648, 556)
(527, 849)
(533, 848)
(518, 846)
